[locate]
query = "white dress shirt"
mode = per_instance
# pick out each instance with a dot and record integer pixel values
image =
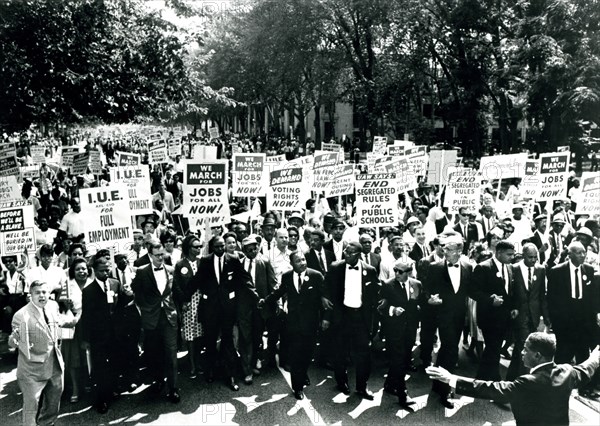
(353, 287)
(338, 249)
(218, 265)
(525, 273)
(454, 276)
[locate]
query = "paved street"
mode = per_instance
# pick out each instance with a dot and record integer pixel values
(269, 402)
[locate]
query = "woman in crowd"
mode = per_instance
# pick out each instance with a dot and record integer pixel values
(172, 254)
(185, 269)
(231, 246)
(70, 303)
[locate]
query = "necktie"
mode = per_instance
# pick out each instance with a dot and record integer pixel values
(367, 258)
(353, 267)
(249, 268)
(530, 278)
(299, 282)
(321, 264)
(450, 265)
(159, 268)
(403, 288)
(577, 293)
(45, 316)
(425, 251)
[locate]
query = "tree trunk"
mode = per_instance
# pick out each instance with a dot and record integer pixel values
(317, 124)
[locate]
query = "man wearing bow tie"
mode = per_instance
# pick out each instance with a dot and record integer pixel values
(353, 288)
(497, 305)
(573, 307)
(530, 288)
(446, 288)
(155, 294)
(399, 309)
(220, 278)
(304, 289)
(98, 329)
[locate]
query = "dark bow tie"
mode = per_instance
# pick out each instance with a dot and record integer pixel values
(159, 269)
(450, 265)
(353, 267)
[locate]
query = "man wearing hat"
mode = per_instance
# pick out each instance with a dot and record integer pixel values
(267, 246)
(409, 235)
(296, 220)
(539, 238)
(252, 322)
(521, 223)
(555, 239)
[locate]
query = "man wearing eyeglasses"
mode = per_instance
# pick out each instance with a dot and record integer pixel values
(155, 294)
(446, 287)
(399, 309)
(353, 289)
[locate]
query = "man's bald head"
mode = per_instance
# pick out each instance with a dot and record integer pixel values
(576, 252)
(530, 254)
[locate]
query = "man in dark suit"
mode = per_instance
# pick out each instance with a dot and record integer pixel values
(466, 229)
(530, 286)
(304, 289)
(155, 294)
(556, 240)
(429, 320)
(399, 309)
(428, 198)
(317, 257)
(252, 321)
(221, 278)
(538, 398)
(573, 306)
(487, 220)
(447, 285)
(145, 259)
(497, 305)
(98, 330)
(336, 245)
(419, 249)
(370, 258)
(353, 289)
(538, 238)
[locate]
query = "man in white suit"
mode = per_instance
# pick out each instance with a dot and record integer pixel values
(36, 329)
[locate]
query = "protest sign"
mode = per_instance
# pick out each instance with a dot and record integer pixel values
(376, 200)
(342, 182)
(395, 151)
(66, 156)
(406, 180)
(554, 171)
(322, 166)
(38, 154)
(16, 228)
(503, 166)
(174, 147)
(399, 147)
(95, 163)
(439, 162)
(287, 189)
(562, 148)
(157, 152)
(204, 152)
(529, 186)
(29, 172)
(9, 189)
(108, 217)
(205, 189)
(137, 181)
(8, 160)
(236, 148)
(127, 159)
(80, 163)
(588, 201)
(463, 190)
(379, 145)
(249, 176)
(333, 147)
(275, 159)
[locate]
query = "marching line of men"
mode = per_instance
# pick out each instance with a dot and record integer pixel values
(336, 292)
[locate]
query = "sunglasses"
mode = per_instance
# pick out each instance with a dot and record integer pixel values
(402, 271)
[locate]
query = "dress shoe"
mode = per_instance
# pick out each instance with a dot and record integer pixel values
(446, 403)
(589, 394)
(504, 353)
(248, 379)
(286, 367)
(102, 408)
(307, 382)
(174, 396)
(132, 387)
(233, 385)
(74, 399)
(404, 399)
(256, 371)
(343, 388)
(365, 394)
(299, 395)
